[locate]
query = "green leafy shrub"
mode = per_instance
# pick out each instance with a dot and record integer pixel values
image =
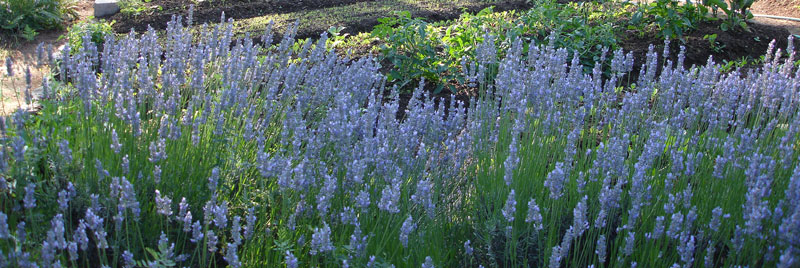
(581, 28)
(414, 50)
(672, 18)
(28, 17)
(434, 51)
(736, 15)
(95, 30)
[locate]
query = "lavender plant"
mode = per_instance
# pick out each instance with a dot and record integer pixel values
(298, 158)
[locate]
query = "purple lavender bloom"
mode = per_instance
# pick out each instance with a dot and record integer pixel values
(290, 260)
(128, 261)
(213, 179)
(63, 200)
(115, 145)
(600, 249)
(580, 214)
(251, 223)
(231, 256)
(708, 260)
(325, 195)
(630, 243)
(390, 197)
(428, 262)
(686, 248)
(236, 230)
(157, 174)
(197, 232)
(163, 205)
(80, 237)
(511, 161)
(221, 214)
(510, 207)
(29, 202)
(423, 196)
(405, 230)
(211, 241)
(185, 215)
(158, 151)
(468, 248)
(534, 215)
(66, 153)
(321, 240)
(362, 200)
(555, 181)
(788, 258)
(716, 219)
(4, 232)
(358, 242)
(57, 228)
(675, 226)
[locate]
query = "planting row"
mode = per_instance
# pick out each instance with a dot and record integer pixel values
(223, 152)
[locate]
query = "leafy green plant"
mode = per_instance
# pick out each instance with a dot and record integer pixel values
(712, 40)
(133, 7)
(27, 17)
(95, 30)
(580, 28)
(736, 15)
(414, 52)
(672, 19)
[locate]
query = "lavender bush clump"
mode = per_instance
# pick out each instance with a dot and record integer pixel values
(297, 156)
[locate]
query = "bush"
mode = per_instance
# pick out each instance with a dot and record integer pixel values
(29, 16)
(91, 30)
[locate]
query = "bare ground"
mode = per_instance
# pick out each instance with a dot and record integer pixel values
(23, 54)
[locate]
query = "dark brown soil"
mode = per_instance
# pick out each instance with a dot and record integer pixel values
(733, 45)
(210, 11)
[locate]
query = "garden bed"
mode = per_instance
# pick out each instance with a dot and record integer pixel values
(742, 46)
(314, 16)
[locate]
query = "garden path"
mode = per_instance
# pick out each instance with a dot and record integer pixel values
(23, 53)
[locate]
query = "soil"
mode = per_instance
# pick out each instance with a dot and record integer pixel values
(23, 54)
(732, 45)
(786, 8)
(210, 12)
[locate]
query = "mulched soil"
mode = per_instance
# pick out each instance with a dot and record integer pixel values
(210, 11)
(737, 45)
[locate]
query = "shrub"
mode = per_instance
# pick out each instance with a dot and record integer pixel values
(95, 31)
(673, 18)
(413, 48)
(29, 17)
